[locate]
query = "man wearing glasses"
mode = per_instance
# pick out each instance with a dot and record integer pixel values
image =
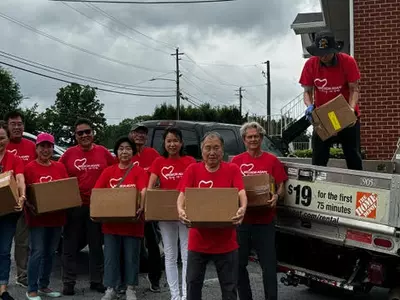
(26, 150)
(144, 157)
(86, 161)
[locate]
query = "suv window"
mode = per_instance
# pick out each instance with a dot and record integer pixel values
(191, 142)
(231, 143)
(268, 146)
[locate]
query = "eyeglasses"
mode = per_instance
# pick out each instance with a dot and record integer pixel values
(82, 132)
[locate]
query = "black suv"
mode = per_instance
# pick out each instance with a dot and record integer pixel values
(192, 132)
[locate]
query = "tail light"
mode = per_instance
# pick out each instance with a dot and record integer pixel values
(376, 273)
(382, 242)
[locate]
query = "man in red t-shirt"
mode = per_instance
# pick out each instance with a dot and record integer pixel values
(26, 150)
(259, 223)
(325, 75)
(85, 161)
(144, 157)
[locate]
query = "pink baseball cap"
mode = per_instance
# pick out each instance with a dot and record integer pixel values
(44, 137)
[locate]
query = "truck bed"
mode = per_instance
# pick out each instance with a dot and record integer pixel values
(346, 207)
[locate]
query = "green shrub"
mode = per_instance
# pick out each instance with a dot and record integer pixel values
(334, 153)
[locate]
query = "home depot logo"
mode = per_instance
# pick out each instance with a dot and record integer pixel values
(366, 205)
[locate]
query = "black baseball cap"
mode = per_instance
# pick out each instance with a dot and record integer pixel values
(323, 44)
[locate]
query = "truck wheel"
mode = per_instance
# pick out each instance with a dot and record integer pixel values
(394, 294)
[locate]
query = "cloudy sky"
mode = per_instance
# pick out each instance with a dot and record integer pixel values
(127, 45)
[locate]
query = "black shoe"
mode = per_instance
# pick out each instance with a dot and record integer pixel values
(98, 287)
(154, 286)
(23, 282)
(6, 296)
(68, 290)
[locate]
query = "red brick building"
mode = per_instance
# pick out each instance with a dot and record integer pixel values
(369, 30)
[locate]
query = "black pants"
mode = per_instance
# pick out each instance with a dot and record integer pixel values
(227, 270)
(350, 140)
(154, 262)
(262, 238)
(79, 227)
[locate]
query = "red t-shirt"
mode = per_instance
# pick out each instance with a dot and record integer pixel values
(170, 170)
(329, 82)
(37, 173)
(145, 158)
(25, 150)
(137, 178)
(267, 163)
(86, 166)
(212, 240)
(11, 162)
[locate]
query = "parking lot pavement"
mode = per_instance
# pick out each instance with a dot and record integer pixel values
(211, 288)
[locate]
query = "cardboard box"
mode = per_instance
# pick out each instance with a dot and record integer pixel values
(332, 117)
(114, 205)
(8, 193)
(161, 205)
(54, 195)
(213, 207)
(258, 189)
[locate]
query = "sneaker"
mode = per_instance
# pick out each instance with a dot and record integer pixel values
(6, 296)
(49, 293)
(22, 282)
(130, 294)
(154, 287)
(69, 290)
(98, 287)
(110, 294)
(33, 297)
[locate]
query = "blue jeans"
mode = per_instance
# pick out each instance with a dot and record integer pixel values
(8, 225)
(43, 245)
(262, 238)
(112, 263)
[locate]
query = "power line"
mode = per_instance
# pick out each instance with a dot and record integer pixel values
(76, 76)
(104, 13)
(74, 46)
(222, 64)
(69, 82)
(147, 2)
(112, 29)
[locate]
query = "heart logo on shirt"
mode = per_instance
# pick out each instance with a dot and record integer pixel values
(246, 168)
(79, 163)
(165, 171)
(14, 151)
(45, 179)
(320, 83)
(114, 181)
(206, 184)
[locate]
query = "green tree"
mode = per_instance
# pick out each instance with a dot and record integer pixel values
(113, 132)
(33, 119)
(10, 94)
(74, 101)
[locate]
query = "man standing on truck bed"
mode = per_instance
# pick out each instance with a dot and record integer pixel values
(325, 75)
(144, 158)
(259, 223)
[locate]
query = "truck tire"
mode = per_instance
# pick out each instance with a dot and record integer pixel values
(394, 294)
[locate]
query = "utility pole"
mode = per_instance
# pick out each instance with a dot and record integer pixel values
(241, 90)
(268, 77)
(178, 75)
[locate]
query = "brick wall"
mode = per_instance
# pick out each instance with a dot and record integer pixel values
(377, 51)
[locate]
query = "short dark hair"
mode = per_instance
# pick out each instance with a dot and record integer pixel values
(14, 114)
(212, 134)
(83, 121)
(121, 140)
(178, 133)
(3, 125)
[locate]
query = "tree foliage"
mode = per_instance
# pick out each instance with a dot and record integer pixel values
(10, 94)
(74, 101)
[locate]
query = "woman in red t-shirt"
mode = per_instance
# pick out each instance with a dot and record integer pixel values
(123, 234)
(212, 244)
(45, 229)
(168, 169)
(8, 223)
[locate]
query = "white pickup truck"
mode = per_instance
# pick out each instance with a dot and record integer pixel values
(341, 228)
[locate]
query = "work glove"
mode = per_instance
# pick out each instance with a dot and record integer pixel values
(308, 112)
